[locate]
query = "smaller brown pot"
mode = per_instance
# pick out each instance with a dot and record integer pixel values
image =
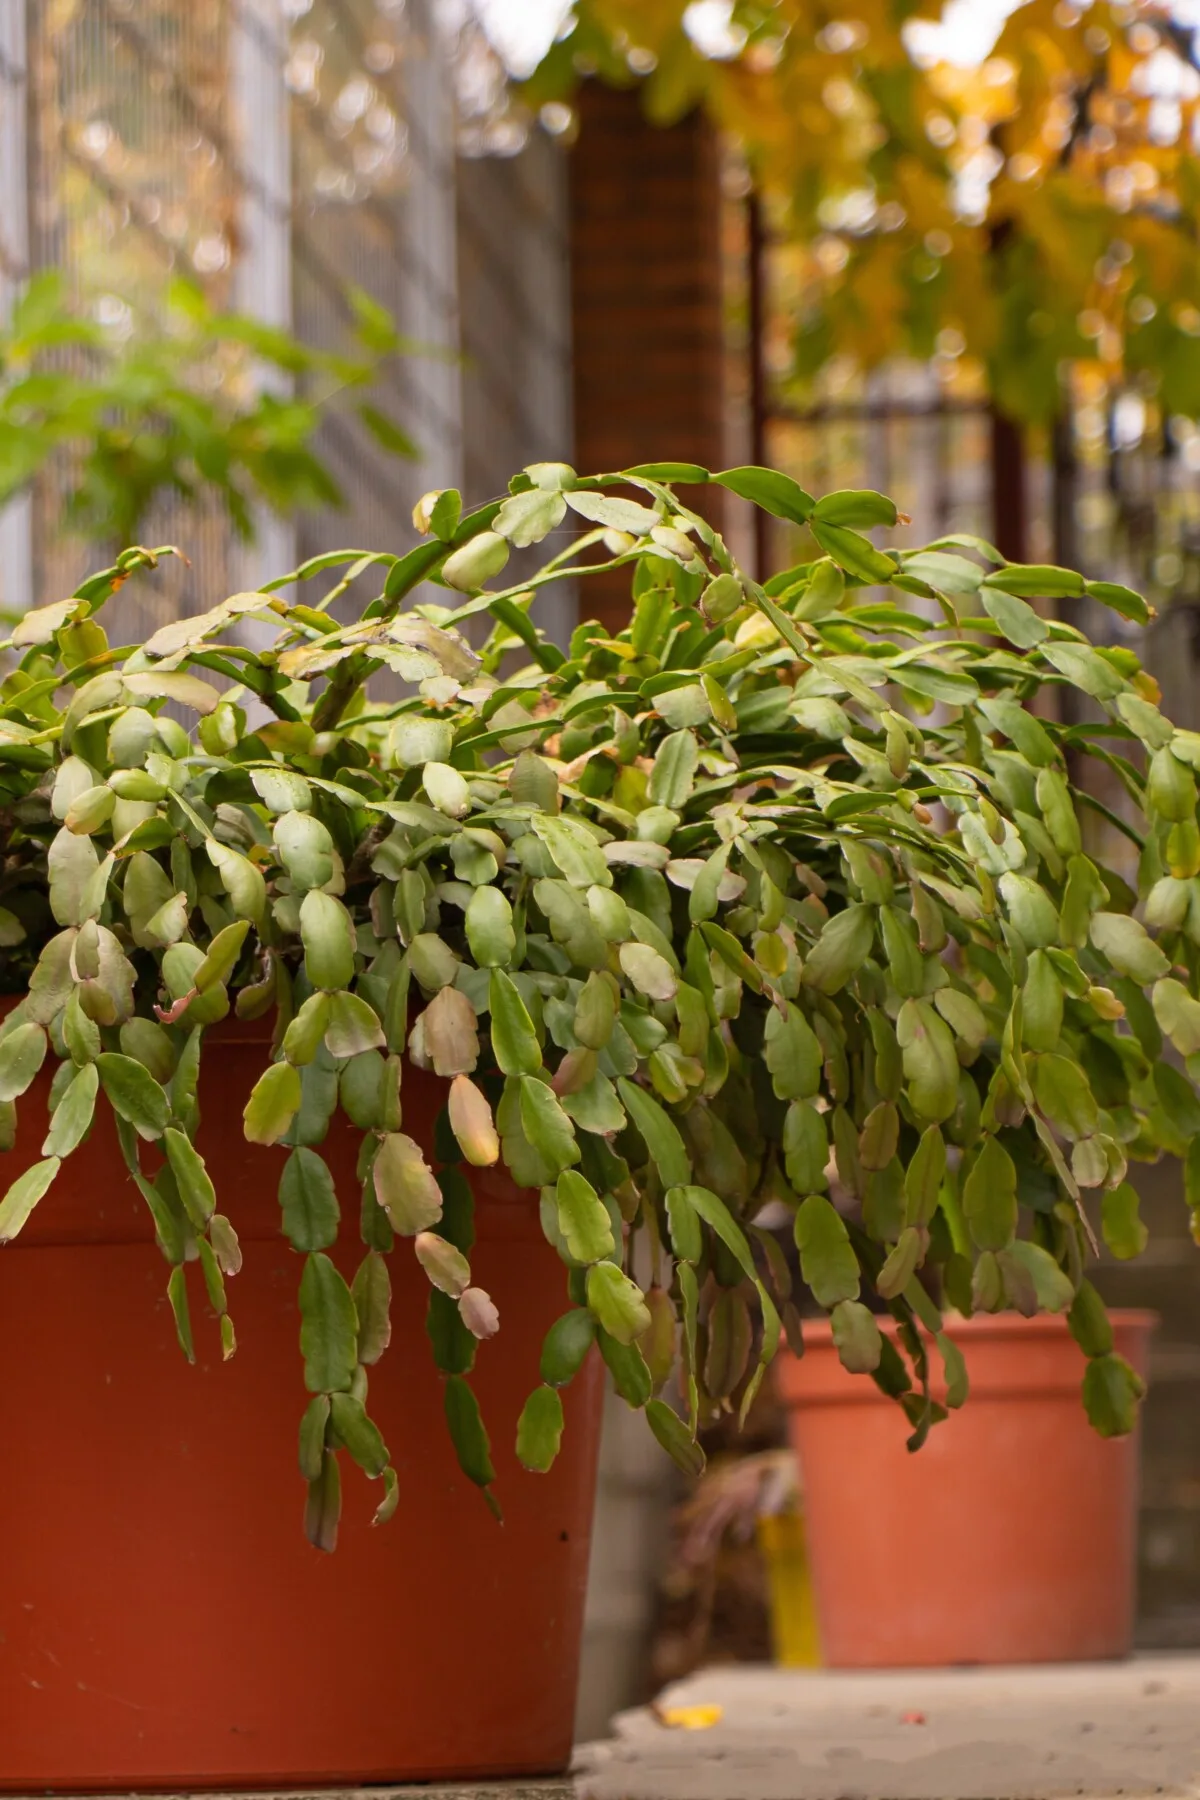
(1008, 1537)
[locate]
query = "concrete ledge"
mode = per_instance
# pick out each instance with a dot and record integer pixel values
(487, 1790)
(472, 1790)
(1040, 1733)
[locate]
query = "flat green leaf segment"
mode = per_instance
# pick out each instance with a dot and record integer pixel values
(779, 904)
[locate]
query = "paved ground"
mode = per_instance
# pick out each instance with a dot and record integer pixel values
(1092, 1731)
(1128, 1729)
(480, 1790)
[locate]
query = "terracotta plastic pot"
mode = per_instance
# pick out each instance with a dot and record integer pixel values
(163, 1623)
(1008, 1537)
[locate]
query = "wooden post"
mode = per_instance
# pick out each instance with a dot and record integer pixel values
(1010, 502)
(1064, 470)
(756, 330)
(647, 311)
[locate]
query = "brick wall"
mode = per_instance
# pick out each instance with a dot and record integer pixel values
(647, 316)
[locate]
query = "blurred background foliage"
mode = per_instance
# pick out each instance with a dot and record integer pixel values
(1033, 205)
(195, 400)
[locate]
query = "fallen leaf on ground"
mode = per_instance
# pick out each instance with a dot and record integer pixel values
(689, 1718)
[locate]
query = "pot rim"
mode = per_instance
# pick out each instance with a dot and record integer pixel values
(1009, 1358)
(818, 1333)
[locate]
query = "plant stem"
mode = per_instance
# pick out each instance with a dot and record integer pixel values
(343, 685)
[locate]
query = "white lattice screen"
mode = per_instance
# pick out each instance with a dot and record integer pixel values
(276, 151)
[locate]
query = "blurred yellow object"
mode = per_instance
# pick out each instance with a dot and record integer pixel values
(784, 1545)
(690, 1718)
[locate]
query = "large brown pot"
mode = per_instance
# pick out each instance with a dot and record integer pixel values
(1008, 1537)
(163, 1623)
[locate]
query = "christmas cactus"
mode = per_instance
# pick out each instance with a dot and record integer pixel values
(780, 887)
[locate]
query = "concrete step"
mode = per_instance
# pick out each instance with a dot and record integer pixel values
(1035, 1733)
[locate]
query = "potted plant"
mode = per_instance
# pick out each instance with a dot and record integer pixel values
(462, 990)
